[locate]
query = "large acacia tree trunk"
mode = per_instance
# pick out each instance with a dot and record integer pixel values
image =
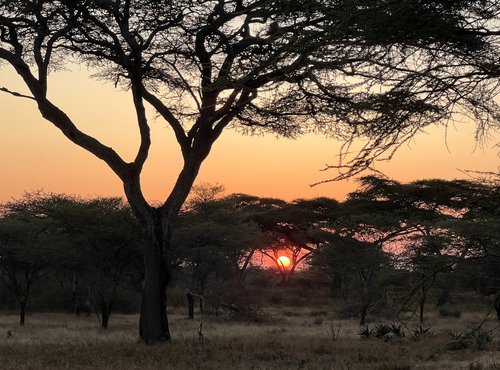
(153, 324)
(156, 226)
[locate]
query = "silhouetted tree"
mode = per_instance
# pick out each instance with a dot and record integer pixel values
(24, 255)
(381, 70)
(95, 240)
(291, 228)
(479, 226)
(215, 243)
(104, 248)
(203, 193)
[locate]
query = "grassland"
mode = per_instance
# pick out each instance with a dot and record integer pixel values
(287, 338)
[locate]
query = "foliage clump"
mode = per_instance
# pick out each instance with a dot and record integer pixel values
(461, 340)
(385, 332)
(422, 331)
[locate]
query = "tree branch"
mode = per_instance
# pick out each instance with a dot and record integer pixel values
(16, 94)
(165, 112)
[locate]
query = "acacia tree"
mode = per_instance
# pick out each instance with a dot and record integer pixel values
(294, 229)
(376, 69)
(480, 228)
(103, 246)
(441, 214)
(24, 255)
(95, 239)
(216, 243)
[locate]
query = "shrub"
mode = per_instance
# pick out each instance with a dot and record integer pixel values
(366, 332)
(333, 331)
(421, 332)
(476, 337)
(383, 331)
(397, 330)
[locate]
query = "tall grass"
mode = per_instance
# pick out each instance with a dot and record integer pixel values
(297, 340)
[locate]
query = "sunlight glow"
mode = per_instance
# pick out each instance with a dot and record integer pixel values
(283, 261)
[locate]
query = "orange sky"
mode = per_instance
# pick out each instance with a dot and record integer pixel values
(35, 155)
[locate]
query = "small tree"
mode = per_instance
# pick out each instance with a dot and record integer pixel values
(215, 243)
(104, 247)
(480, 229)
(24, 255)
(292, 229)
(354, 260)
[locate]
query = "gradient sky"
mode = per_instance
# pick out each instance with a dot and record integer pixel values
(35, 155)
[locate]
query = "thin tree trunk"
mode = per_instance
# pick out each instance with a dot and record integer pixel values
(365, 281)
(497, 305)
(22, 314)
(421, 311)
(74, 293)
(105, 312)
(243, 270)
(202, 293)
(190, 300)
(104, 319)
(365, 305)
(364, 314)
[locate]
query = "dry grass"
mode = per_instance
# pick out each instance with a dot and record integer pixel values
(289, 339)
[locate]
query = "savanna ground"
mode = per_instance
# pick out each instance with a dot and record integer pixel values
(286, 338)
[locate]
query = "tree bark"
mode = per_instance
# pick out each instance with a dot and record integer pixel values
(74, 295)
(365, 280)
(497, 305)
(156, 226)
(104, 319)
(190, 300)
(364, 314)
(22, 313)
(421, 311)
(105, 315)
(153, 323)
(106, 309)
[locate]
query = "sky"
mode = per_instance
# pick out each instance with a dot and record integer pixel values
(34, 155)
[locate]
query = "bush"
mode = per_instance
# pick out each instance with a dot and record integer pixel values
(476, 337)
(366, 332)
(383, 331)
(421, 332)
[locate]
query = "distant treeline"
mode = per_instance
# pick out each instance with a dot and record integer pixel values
(389, 246)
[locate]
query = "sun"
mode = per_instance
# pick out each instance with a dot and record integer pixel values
(283, 261)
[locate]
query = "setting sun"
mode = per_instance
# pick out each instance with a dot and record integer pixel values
(283, 261)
